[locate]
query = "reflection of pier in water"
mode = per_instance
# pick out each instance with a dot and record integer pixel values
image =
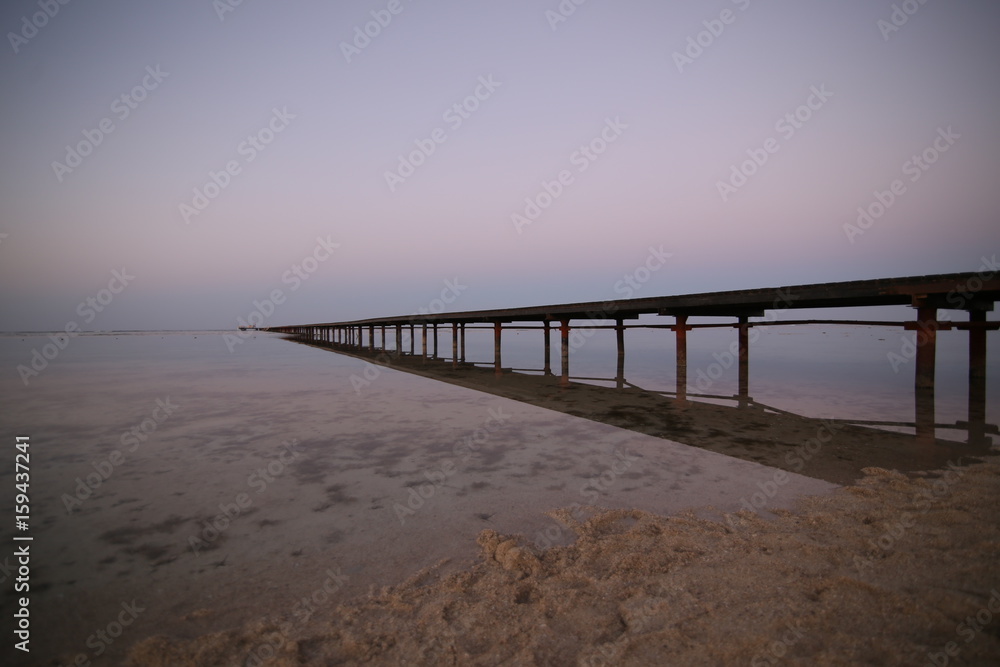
(675, 415)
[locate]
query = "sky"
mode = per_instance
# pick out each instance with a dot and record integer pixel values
(182, 165)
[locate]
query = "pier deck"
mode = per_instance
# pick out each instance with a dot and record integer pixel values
(974, 293)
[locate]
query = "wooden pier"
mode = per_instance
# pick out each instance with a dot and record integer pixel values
(974, 293)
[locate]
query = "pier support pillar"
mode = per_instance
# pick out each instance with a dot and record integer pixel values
(435, 355)
(454, 344)
(383, 339)
(926, 334)
(548, 349)
(371, 338)
(564, 339)
(412, 339)
(497, 332)
(462, 342)
(977, 377)
(399, 340)
(680, 332)
(744, 353)
(423, 337)
(620, 338)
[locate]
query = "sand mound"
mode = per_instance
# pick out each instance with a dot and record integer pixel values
(884, 572)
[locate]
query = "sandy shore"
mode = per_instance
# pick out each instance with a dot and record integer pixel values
(895, 570)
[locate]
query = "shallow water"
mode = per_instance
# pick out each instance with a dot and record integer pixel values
(140, 442)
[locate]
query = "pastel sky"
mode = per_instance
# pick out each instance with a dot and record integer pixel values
(309, 115)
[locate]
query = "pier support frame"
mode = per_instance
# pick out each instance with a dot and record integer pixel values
(925, 329)
(977, 377)
(497, 336)
(744, 360)
(680, 333)
(620, 339)
(423, 338)
(454, 344)
(564, 345)
(547, 330)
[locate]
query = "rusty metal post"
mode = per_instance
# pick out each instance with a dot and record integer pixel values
(497, 330)
(564, 340)
(680, 332)
(977, 377)
(744, 352)
(620, 338)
